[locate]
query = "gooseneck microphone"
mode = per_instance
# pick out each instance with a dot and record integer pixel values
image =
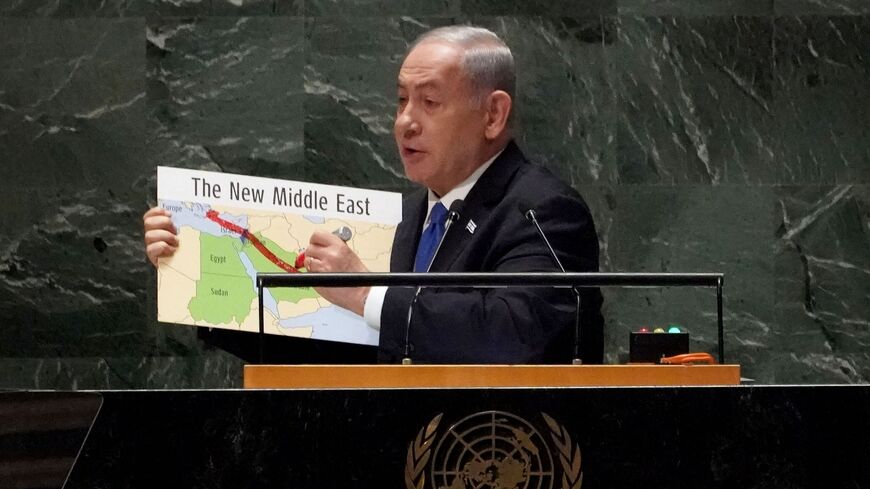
(453, 215)
(528, 211)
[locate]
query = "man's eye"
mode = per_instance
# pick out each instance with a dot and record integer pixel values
(430, 103)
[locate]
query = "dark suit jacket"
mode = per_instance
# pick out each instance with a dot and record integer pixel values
(516, 325)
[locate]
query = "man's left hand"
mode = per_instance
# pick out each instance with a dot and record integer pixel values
(326, 252)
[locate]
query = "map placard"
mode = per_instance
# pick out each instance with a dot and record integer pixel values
(230, 227)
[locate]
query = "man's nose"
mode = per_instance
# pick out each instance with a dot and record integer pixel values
(406, 124)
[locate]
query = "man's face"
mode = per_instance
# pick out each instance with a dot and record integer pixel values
(438, 129)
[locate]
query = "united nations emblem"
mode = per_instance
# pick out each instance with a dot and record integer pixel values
(493, 450)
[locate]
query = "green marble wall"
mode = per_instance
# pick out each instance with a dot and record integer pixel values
(706, 135)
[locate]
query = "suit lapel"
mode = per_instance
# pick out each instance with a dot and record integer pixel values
(483, 197)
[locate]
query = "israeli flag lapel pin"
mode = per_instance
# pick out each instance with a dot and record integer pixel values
(471, 226)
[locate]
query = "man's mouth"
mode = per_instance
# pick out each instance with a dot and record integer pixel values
(408, 151)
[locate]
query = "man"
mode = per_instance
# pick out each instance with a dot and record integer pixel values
(456, 89)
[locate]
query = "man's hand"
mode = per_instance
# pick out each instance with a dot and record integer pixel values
(160, 234)
(326, 252)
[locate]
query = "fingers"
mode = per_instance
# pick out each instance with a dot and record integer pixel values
(322, 238)
(158, 249)
(313, 264)
(158, 219)
(328, 253)
(156, 211)
(323, 250)
(320, 259)
(159, 233)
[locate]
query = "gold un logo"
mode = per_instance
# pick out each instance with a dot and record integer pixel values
(493, 450)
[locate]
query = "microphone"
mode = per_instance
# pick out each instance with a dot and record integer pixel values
(528, 211)
(452, 216)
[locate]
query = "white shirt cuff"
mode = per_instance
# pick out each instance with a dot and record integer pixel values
(372, 308)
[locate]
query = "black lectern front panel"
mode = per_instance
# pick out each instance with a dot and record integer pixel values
(747, 437)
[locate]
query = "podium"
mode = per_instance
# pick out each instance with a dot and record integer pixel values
(692, 436)
(484, 376)
(306, 438)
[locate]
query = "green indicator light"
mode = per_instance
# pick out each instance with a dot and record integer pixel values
(674, 329)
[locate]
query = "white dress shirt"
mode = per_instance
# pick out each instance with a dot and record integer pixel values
(375, 300)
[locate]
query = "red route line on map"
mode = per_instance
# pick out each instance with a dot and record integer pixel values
(213, 215)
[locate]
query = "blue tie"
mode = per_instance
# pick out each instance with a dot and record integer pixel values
(431, 237)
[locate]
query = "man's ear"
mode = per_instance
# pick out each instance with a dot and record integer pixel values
(498, 109)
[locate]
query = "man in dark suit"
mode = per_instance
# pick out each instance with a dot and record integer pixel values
(513, 325)
(455, 95)
(455, 98)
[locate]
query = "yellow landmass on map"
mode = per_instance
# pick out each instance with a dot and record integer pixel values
(270, 325)
(176, 279)
(186, 260)
(251, 322)
(259, 224)
(174, 292)
(288, 309)
(373, 247)
(293, 232)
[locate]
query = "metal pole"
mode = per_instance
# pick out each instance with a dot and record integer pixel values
(721, 326)
(261, 320)
(468, 279)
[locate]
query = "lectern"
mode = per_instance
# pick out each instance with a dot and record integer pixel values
(483, 376)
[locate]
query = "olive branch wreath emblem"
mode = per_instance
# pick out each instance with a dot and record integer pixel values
(420, 450)
(569, 456)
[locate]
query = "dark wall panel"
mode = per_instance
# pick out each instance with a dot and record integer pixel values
(706, 136)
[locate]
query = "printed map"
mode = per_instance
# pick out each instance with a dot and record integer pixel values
(210, 281)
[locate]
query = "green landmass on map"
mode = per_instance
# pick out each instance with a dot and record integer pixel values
(262, 264)
(224, 291)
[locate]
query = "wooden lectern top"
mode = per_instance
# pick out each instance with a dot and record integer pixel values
(477, 376)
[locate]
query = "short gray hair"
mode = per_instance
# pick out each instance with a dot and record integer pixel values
(486, 59)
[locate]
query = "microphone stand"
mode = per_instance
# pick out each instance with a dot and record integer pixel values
(530, 215)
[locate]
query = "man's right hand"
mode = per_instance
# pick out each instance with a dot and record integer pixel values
(160, 234)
